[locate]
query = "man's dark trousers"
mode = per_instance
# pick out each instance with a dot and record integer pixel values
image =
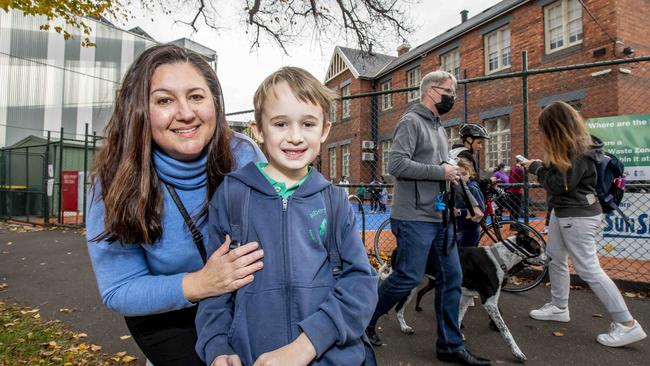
(414, 240)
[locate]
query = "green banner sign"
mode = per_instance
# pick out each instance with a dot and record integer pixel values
(627, 137)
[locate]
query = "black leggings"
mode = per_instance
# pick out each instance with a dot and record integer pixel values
(167, 339)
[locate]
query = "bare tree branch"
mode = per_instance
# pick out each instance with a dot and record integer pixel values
(361, 22)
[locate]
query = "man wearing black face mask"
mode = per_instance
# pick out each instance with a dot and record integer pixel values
(416, 160)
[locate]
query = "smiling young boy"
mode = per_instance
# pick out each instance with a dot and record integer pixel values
(301, 308)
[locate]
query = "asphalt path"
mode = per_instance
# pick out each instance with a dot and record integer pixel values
(50, 270)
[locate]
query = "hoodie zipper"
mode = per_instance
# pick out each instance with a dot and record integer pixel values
(287, 267)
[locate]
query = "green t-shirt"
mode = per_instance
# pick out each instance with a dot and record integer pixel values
(280, 187)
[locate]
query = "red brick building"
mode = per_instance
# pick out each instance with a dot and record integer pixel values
(553, 32)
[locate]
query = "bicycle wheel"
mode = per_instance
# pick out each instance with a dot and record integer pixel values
(530, 272)
(384, 243)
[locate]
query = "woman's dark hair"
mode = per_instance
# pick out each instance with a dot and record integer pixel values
(130, 189)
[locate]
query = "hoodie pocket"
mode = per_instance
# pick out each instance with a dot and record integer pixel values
(259, 324)
(426, 193)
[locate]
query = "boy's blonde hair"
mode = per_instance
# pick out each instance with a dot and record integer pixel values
(305, 87)
(467, 166)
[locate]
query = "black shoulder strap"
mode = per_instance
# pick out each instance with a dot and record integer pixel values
(197, 237)
(237, 200)
(334, 203)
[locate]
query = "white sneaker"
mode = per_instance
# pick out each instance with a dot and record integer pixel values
(550, 312)
(619, 335)
(545, 230)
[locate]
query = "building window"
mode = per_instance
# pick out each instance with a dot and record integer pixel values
(562, 24)
(450, 62)
(452, 135)
(385, 151)
(386, 99)
(345, 162)
(332, 162)
(413, 79)
(497, 50)
(333, 106)
(497, 148)
(345, 91)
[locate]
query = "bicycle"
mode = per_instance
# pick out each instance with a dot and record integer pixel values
(523, 277)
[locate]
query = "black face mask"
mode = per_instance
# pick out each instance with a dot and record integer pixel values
(446, 104)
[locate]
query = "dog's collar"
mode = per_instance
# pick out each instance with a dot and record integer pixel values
(496, 255)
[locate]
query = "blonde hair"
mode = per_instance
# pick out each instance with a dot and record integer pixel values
(305, 87)
(467, 166)
(565, 135)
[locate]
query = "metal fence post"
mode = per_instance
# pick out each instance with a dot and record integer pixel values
(10, 191)
(27, 183)
(46, 177)
(61, 177)
(465, 107)
(83, 219)
(524, 93)
(374, 134)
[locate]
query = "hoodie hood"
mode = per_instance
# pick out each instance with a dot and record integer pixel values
(595, 152)
(424, 113)
(251, 176)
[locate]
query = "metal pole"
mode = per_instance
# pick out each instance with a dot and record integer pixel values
(465, 107)
(524, 92)
(61, 177)
(27, 182)
(374, 133)
(10, 191)
(83, 219)
(46, 175)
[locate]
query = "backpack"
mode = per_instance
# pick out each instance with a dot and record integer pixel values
(334, 197)
(610, 184)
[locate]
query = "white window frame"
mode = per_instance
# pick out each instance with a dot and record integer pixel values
(564, 6)
(386, 145)
(387, 99)
(332, 155)
(497, 148)
(333, 111)
(503, 51)
(413, 77)
(450, 62)
(345, 91)
(345, 160)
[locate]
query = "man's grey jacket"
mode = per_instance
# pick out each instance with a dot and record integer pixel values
(415, 160)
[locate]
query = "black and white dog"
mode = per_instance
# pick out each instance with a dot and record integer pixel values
(484, 269)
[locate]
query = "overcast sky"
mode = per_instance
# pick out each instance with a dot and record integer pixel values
(240, 70)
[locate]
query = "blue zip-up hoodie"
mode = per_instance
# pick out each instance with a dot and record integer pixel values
(141, 279)
(295, 292)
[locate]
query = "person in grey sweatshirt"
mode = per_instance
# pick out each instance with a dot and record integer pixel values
(418, 161)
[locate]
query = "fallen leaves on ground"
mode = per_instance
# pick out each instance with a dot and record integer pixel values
(557, 333)
(26, 339)
(3, 286)
(125, 337)
(597, 315)
(67, 311)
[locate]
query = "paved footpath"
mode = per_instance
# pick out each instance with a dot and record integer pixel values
(51, 270)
